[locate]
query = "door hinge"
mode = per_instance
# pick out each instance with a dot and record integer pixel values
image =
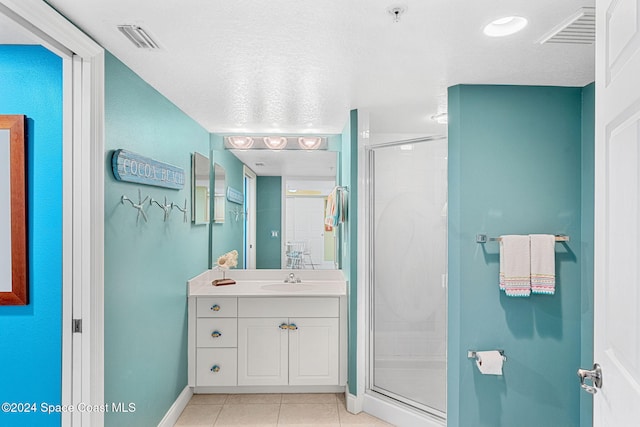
(77, 325)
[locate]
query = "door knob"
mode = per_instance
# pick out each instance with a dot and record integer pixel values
(595, 375)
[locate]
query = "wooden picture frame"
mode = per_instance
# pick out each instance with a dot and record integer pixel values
(13, 206)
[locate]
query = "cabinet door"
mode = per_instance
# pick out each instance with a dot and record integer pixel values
(262, 351)
(313, 351)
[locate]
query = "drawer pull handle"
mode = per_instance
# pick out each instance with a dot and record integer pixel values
(216, 334)
(293, 327)
(283, 326)
(215, 368)
(215, 307)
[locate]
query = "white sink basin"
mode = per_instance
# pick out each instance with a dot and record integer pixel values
(288, 287)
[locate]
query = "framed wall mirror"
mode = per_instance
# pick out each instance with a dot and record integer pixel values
(14, 282)
(200, 188)
(219, 186)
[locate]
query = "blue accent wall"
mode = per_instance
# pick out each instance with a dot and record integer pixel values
(516, 166)
(348, 237)
(31, 335)
(147, 264)
(228, 235)
(268, 218)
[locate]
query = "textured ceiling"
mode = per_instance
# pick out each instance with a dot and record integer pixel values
(299, 66)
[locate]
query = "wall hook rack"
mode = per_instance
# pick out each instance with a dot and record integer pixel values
(236, 213)
(139, 206)
(166, 207)
(183, 210)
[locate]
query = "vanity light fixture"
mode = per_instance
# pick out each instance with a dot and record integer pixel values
(505, 26)
(309, 142)
(241, 142)
(275, 142)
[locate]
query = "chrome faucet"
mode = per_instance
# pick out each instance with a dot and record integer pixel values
(292, 279)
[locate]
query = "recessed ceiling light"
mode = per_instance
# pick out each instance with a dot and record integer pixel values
(505, 26)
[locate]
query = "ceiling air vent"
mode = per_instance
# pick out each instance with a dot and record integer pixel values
(579, 28)
(138, 36)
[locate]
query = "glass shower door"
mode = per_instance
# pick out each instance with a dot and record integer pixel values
(408, 231)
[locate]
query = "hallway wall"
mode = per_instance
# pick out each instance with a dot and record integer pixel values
(31, 335)
(147, 264)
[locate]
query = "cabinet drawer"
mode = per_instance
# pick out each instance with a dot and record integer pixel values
(216, 366)
(217, 332)
(289, 307)
(217, 307)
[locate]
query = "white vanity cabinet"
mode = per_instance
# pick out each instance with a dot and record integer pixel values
(215, 337)
(255, 343)
(301, 347)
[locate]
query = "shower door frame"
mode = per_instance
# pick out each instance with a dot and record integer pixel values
(370, 388)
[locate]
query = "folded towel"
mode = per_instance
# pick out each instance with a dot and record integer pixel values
(543, 263)
(332, 212)
(515, 266)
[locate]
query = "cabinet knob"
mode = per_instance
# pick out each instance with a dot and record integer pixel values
(215, 368)
(215, 307)
(216, 334)
(293, 327)
(283, 326)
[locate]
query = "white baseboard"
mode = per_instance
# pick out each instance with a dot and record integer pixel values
(355, 404)
(397, 414)
(172, 415)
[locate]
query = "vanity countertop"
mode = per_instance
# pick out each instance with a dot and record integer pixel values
(270, 283)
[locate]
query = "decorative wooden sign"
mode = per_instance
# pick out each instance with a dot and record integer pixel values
(235, 196)
(132, 167)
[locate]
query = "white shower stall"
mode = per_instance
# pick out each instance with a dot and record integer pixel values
(406, 275)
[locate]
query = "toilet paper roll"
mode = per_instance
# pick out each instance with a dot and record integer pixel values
(489, 362)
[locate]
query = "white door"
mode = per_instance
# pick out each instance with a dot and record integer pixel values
(263, 351)
(305, 224)
(617, 221)
(313, 351)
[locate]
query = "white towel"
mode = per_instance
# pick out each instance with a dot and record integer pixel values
(543, 263)
(515, 266)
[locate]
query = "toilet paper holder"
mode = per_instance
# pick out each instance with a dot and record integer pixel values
(473, 354)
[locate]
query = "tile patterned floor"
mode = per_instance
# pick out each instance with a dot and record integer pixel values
(323, 409)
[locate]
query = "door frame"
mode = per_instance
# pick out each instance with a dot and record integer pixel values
(369, 280)
(83, 201)
(250, 211)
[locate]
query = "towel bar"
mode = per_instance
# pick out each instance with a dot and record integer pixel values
(482, 238)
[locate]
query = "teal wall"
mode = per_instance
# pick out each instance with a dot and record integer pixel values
(587, 207)
(147, 264)
(515, 167)
(268, 218)
(30, 336)
(228, 235)
(348, 235)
